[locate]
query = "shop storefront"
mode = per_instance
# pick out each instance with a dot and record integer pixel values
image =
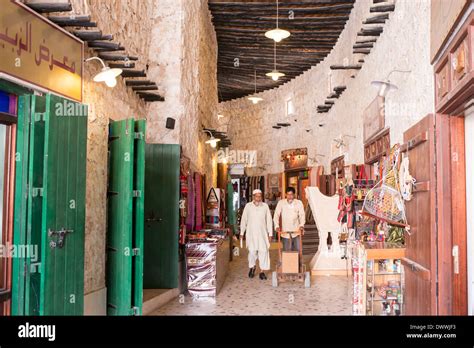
(43, 143)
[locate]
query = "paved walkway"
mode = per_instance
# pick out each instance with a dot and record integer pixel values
(328, 295)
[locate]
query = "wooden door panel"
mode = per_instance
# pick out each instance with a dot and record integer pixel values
(125, 217)
(120, 219)
(459, 223)
(63, 209)
(161, 216)
(138, 215)
(21, 180)
(49, 198)
(420, 290)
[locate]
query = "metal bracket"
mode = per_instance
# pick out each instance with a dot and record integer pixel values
(135, 311)
(139, 135)
(61, 234)
(136, 251)
(137, 193)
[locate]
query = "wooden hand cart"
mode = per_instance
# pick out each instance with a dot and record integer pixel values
(290, 266)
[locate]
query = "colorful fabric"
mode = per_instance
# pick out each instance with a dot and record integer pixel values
(198, 200)
(191, 204)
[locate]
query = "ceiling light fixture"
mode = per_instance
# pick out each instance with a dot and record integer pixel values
(107, 75)
(275, 74)
(254, 99)
(277, 34)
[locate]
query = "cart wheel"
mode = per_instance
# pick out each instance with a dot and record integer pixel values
(307, 280)
(274, 279)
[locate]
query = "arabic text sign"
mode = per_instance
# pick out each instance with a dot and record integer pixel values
(34, 50)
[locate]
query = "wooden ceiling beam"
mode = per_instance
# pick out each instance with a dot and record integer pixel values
(48, 7)
(283, 7)
(240, 27)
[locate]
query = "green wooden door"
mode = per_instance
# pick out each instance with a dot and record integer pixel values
(20, 266)
(125, 217)
(138, 216)
(50, 207)
(162, 163)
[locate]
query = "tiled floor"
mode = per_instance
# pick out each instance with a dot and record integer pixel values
(328, 295)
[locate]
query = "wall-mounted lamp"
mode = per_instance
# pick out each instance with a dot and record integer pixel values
(107, 75)
(213, 141)
(385, 86)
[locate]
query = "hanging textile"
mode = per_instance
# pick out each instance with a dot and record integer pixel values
(346, 206)
(231, 218)
(198, 200)
(183, 197)
(191, 204)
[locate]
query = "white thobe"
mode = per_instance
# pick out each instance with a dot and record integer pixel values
(256, 223)
(292, 217)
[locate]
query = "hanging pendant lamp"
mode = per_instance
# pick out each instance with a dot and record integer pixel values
(254, 99)
(275, 74)
(277, 34)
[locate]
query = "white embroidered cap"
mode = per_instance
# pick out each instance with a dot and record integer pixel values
(254, 192)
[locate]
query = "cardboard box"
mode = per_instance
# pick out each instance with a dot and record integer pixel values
(290, 261)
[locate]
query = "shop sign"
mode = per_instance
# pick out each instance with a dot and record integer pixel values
(377, 147)
(374, 117)
(36, 51)
(295, 158)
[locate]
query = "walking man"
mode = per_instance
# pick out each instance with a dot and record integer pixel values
(292, 215)
(256, 222)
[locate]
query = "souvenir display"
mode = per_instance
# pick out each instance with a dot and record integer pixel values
(384, 280)
(358, 273)
(384, 201)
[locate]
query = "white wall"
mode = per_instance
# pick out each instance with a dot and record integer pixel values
(404, 44)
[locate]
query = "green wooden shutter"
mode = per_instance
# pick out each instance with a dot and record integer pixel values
(21, 192)
(49, 198)
(138, 215)
(120, 222)
(125, 217)
(162, 163)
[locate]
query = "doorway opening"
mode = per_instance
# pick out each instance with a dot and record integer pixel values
(469, 143)
(8, 120)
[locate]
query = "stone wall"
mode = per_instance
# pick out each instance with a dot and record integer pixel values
(176, 44)
(130, 23)
(183, 61)
(403, 45)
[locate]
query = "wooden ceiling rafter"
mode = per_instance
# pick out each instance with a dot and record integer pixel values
(240, 30)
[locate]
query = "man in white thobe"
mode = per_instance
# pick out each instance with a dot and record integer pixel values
(256, 223)
(292, 215)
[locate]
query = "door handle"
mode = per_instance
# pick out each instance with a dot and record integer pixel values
(154, 219)
(456, 259)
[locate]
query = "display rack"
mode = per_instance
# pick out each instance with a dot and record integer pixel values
(384, 279)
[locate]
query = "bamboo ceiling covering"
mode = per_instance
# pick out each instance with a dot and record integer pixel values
(241, 25)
